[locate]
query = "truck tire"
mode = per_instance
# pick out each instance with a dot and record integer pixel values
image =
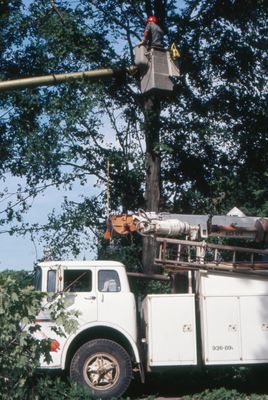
(103, 366)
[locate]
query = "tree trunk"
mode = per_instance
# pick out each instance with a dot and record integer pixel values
(152, 111)
(152, 190)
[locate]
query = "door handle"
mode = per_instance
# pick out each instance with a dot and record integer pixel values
(90, 298)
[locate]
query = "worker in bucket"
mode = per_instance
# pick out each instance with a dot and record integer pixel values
(153, 34)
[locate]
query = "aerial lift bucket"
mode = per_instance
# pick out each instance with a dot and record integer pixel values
(157, 68)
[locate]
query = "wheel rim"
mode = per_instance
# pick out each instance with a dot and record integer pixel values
(101, 371)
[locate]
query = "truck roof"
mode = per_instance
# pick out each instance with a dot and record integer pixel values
(81, 264)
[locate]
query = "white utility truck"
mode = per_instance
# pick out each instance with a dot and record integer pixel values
(220, 318)
(216, 313)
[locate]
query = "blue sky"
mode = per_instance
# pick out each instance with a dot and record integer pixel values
(18, 252)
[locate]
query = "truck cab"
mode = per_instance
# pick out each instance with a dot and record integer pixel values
(105, 342)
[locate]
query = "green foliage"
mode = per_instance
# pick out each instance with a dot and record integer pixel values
(22, 278)
(219, 141)
(224, 394)
(126, 250)
(65, 321)
(157, 287)
(49, 388)
(20, 352)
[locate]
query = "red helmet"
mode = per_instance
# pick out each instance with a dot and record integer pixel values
(152, 18)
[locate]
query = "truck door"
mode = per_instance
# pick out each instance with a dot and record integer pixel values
(80, 293)
(116, 304)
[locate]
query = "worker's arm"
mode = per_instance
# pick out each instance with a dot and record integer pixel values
(146, 35)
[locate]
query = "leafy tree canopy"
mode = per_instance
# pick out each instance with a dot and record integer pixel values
(216, 131)
(212, 141)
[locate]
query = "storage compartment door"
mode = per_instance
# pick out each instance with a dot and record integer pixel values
(254, 328)
(171, 328)
(221, 330)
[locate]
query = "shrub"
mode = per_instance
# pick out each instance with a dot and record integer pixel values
(49, 388)
(19, 351)
(224, 394)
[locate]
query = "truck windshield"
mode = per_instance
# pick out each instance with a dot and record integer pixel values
(38, 278)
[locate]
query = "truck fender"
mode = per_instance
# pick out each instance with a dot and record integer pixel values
(91, 326)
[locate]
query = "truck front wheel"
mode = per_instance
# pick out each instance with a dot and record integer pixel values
(103, 366)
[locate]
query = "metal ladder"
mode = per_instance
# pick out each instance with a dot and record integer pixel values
(175, 254)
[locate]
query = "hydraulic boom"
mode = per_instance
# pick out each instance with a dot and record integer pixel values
(153, 68)
(54, 79)
(193, 226)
